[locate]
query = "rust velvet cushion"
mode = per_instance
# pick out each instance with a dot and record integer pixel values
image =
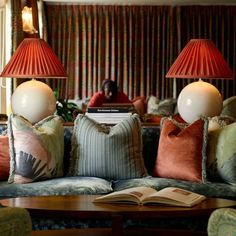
(140, 105)
(182, 150)
(4, 157)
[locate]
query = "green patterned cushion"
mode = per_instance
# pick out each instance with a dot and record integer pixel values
(222, 222)
(36, 151)
(107, 152)
(221, 160)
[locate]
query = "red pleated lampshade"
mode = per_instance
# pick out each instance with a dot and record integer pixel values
(200, 59)
(34, 58)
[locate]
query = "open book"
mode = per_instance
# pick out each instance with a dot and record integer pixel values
(143, 195)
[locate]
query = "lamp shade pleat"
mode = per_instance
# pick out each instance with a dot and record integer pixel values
(34, 58)
(200, 59)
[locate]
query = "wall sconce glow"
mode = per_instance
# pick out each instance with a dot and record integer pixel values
(27, 20)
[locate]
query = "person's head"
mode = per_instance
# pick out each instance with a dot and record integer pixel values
(109, 88)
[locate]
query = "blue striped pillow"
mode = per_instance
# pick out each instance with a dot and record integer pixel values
(113, 152)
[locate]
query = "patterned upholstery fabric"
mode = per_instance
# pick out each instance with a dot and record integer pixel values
(56, 186)
(3, 129)
(14, 222)
(209, 189)
(222, 222)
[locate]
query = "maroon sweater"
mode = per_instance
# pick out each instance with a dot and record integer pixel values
(98, 99)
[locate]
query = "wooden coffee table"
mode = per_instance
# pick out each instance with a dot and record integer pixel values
(82, 207)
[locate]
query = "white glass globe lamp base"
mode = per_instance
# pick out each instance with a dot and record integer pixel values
(199, 99)
(34, 100)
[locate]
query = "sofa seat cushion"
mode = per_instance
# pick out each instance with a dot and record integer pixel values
(57, 186)
(220, 190)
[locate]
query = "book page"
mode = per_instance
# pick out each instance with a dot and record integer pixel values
(175, 196)
(135, 194)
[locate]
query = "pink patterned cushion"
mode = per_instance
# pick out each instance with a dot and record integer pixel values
(36, 150)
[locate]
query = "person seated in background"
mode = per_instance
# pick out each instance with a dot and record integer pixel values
(108, 94)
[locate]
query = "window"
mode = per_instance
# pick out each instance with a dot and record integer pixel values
(5, 45)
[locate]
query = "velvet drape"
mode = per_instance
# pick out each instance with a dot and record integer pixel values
(134, 45)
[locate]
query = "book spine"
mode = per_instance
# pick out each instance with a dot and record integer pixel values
(108, 110)
(109, 114)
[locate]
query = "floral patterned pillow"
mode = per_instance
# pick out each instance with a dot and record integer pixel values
(36, 151)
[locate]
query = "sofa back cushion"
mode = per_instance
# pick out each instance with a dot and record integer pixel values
(36, 151)
(111, 152)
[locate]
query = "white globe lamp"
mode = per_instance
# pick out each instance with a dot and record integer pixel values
(199, 59)
(33, 100)
(199, 99)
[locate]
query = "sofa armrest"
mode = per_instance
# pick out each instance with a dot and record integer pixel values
(222, 222)
(15, 221)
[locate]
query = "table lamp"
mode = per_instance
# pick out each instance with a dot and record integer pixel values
(199, 59)
(33, 99)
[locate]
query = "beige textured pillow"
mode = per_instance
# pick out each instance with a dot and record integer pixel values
(107, 152)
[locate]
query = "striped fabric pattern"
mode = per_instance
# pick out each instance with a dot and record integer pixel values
(107, 152)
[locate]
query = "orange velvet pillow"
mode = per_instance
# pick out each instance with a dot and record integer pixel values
(140, 105)
(182, 151)
(4, 157)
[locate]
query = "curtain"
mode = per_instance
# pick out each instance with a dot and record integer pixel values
(17, 31)
(130, 44)
(134, 45)
(2, 57)
(217, 23)
(16, 24)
